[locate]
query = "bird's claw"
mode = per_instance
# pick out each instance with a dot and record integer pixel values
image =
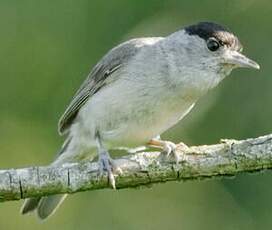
(171, 148)
(106, 163)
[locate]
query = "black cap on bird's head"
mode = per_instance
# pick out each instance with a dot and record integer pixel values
(216, 37)
(208, 30)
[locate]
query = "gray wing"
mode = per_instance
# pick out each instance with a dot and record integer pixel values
(98, 78)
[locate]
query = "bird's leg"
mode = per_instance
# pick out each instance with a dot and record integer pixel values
(169, 147)
(106, 163)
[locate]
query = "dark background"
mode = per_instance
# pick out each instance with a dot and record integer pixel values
(47, 49)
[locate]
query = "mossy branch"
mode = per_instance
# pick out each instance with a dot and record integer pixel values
(228, 158)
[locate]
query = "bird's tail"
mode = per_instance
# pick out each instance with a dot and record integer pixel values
(45, 206)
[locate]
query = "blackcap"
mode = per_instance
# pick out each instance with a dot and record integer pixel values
(137, 91)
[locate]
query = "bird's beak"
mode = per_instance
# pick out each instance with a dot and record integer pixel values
(239, 60)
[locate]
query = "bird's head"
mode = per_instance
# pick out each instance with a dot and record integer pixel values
(211, 46)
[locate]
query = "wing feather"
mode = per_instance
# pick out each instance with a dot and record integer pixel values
(99, 77)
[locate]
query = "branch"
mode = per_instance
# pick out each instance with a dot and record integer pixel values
(228, 158)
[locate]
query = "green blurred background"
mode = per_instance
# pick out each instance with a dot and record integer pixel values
(46, 50)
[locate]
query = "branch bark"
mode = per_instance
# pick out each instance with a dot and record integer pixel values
(228, 158)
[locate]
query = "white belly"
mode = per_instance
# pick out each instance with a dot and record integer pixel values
(132, 116)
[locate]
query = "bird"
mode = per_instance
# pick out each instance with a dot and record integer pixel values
(136, 92)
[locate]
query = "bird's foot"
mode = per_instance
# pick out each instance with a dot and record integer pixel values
(106, 163)
(170, 148)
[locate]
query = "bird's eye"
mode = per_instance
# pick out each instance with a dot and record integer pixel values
(213, 44)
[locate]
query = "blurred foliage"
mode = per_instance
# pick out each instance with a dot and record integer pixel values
(47, 49)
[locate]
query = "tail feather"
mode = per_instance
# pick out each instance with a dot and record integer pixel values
(45, 206)
(30, 205)
(48, 205)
